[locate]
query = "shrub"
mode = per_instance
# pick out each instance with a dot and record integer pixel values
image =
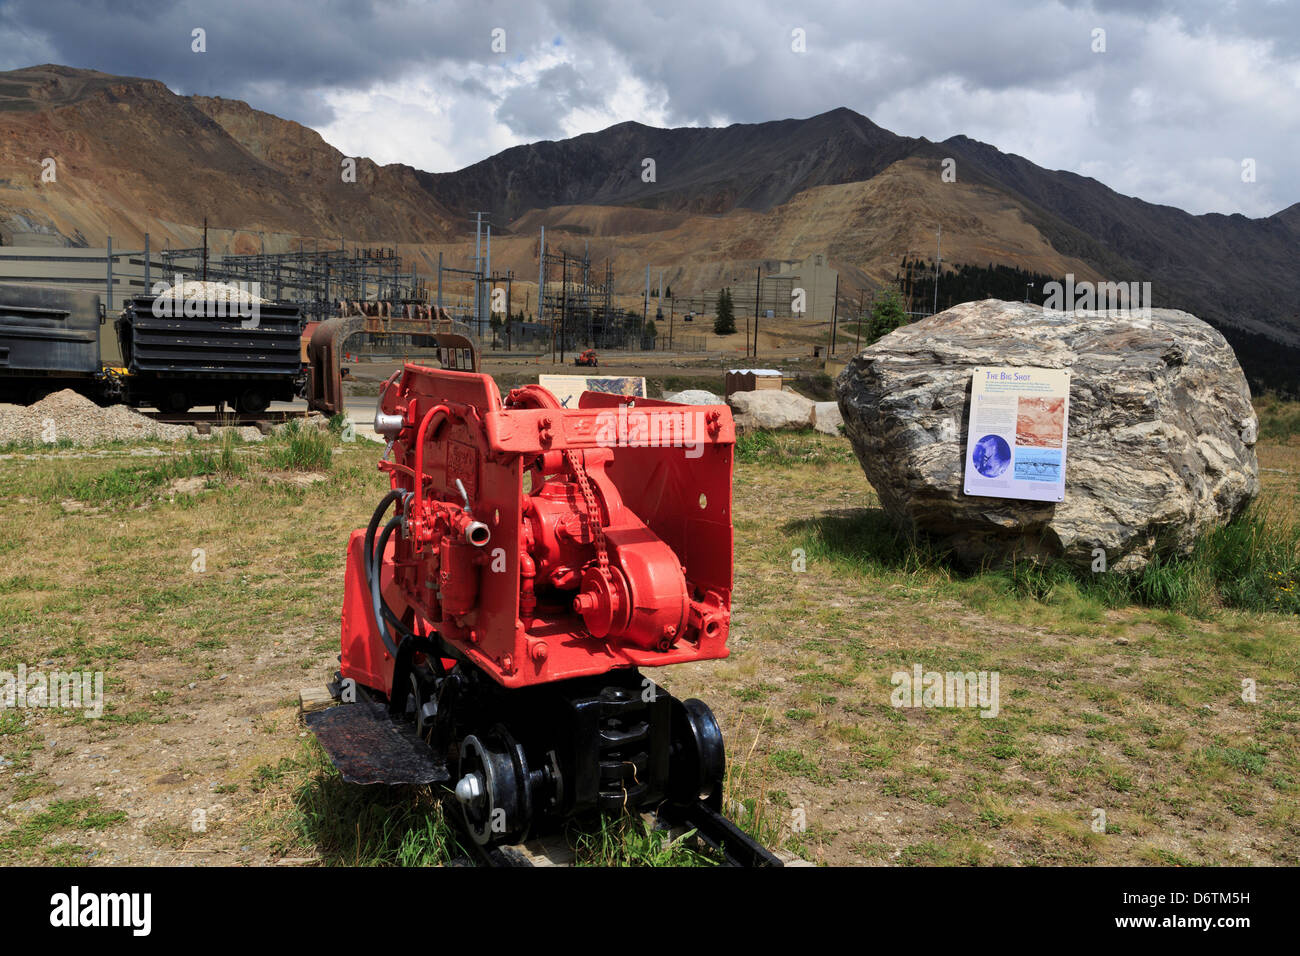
(298, 447)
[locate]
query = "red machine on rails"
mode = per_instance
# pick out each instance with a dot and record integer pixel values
(616, 553)
(537, 559)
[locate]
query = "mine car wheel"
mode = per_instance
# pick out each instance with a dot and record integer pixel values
(176, 402)
(253, 400)
(492, 790)
(422, 705)
(699, 761)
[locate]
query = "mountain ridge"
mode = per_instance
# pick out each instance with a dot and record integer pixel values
(134, 156)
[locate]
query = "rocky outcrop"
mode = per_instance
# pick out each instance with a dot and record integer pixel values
(772, 409)
(1160, 442)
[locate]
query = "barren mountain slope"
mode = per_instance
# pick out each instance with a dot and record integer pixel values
(132, 156)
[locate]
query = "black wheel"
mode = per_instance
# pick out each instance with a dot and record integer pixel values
(421, 705)
(253, 400)
(699, 762)
(492, 789)
(176, 402)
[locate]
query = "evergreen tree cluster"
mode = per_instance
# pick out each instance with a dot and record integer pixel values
(966, 282)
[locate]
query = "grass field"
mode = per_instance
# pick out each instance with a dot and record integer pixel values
(206, 583)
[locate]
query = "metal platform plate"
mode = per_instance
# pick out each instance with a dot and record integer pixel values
(368, 747)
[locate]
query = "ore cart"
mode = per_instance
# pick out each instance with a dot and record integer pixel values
(178, 361)
(49, 340)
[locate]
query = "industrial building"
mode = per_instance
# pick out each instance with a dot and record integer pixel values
(816, 278)
(115, 274)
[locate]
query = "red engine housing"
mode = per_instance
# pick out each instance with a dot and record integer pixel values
(618, 553)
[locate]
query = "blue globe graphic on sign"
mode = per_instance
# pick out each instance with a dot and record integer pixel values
(992, 456)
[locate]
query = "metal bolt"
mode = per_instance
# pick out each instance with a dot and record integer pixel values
(469, 789)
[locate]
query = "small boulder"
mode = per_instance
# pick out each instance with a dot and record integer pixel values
(694, 396)
(771, 409)
(827, 418)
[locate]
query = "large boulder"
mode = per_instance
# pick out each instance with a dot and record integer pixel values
(770, 408)
(1160, 444)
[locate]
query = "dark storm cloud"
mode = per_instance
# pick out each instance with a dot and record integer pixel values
(534, 110)
(1182, 94)
(271, 52)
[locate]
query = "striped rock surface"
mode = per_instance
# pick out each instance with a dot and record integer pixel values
(1161, 431)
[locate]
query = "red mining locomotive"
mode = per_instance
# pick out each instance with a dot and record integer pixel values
(536, 558)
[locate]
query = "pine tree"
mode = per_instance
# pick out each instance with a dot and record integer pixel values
(724, 322)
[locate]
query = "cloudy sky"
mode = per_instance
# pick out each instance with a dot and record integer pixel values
(1166, 104)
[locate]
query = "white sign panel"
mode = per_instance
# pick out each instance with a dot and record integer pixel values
(1018, 422)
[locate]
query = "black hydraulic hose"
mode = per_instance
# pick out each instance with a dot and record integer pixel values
(371, 567)
(376, 598)
(373, 528)
(408, 642)
(373, 563)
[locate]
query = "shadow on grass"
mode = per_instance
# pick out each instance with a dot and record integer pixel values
(351, 825)
(867, 539)
(1251, 563)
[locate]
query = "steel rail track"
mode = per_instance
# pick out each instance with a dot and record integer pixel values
(225, 418)
(204, 422)
(733, 846)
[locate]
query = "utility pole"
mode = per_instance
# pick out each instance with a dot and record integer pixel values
(205, 255)
(541, 275)
(564, 301)
(478, 250)
(835, 314)
(479, 273)
(758, 286)
(938, 239)
(857, 339)
(645, 308)
(659, 308)
(909, 280)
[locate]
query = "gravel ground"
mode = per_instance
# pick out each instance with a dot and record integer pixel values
(67, 416)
